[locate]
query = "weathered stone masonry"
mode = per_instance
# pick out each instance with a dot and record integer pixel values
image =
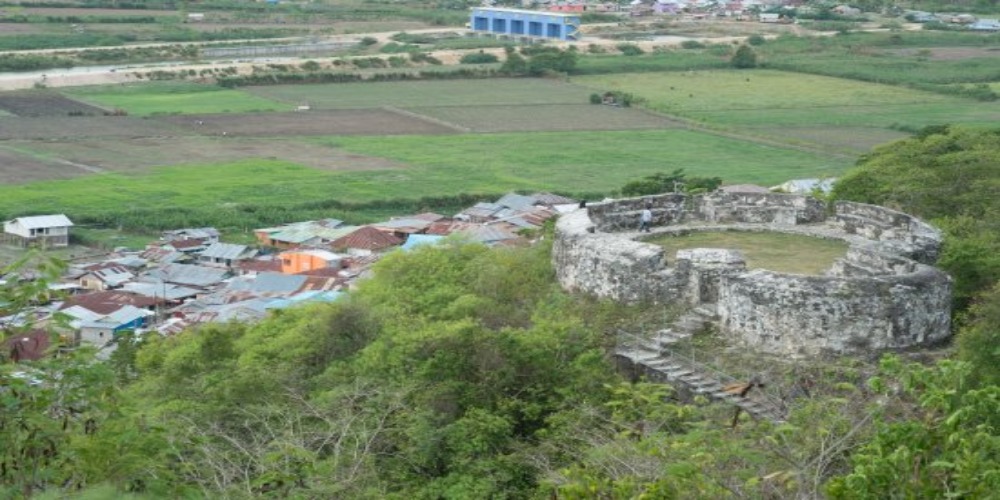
(883, 294)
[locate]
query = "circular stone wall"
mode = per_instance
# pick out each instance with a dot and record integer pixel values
(882, 294)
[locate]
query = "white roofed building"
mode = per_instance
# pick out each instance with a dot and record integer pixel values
(42, 230)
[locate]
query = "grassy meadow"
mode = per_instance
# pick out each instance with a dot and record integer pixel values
(155, 98)
(765, 98)
(498, 91)
(834, 113)
(785, 253)
(437, 165)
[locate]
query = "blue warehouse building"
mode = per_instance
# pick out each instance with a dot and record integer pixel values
(527, 23)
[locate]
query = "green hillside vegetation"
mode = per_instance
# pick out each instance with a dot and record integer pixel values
(463, 372)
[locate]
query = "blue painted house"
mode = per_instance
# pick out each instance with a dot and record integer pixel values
(525, 23)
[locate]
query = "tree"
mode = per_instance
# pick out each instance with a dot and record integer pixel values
(979, 338)
(744, 58)
(667, 183)
(947, 447)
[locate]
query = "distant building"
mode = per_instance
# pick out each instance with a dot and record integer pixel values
(297, 261)
(525, 23)
(225, 254)
(41, 230)
(805, 186)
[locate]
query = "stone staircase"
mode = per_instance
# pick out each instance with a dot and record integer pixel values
(659, 359)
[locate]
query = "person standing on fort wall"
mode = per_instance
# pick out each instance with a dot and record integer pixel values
(645, 217)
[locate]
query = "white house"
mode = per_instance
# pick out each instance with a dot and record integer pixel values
(43, 230)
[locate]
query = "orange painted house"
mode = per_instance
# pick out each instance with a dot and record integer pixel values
(298, 261)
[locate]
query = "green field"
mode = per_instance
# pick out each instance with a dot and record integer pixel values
(144, 99)
(427, 93)
(726, 90)
(439, 165)
(542, 117)
(784, 253)
(582, 161)
(774, 102)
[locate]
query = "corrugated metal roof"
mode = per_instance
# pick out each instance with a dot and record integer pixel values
(40, 221)
(276, 283)
(305, 232)
(107, 301)
(166, 291)
(552, 199)
(186, 274)
(125, 315)
(403, 223)
(193, 232)
(114, 276)
(228, 251)
(487, 234)
(517, 201)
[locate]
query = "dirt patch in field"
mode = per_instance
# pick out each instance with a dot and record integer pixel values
(305, 123)
(20, 29)
(948, 53)
(16, 168)
(52, 128)
(139, 154)
(44, 103)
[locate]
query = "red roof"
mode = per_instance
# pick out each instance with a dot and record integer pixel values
(441, 228)
(28, 346)
(367, 238)
(320, 283)
(191, 243)
(109, 301)
(260, 266)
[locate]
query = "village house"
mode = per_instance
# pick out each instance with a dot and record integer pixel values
(401, 227)
(207, 234)
(187, 274)
(225, 254)
(253, 267)
(187, 247)
(365, 241)
(101, 330)
(297, 261)
(40, 230)
(105, 276)
(302, 234)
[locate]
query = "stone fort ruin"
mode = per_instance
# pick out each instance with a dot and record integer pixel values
(884, 293)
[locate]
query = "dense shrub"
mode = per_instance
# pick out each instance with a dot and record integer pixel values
(692, 44)
(479, 58)
(630, 49)
(744, 58)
